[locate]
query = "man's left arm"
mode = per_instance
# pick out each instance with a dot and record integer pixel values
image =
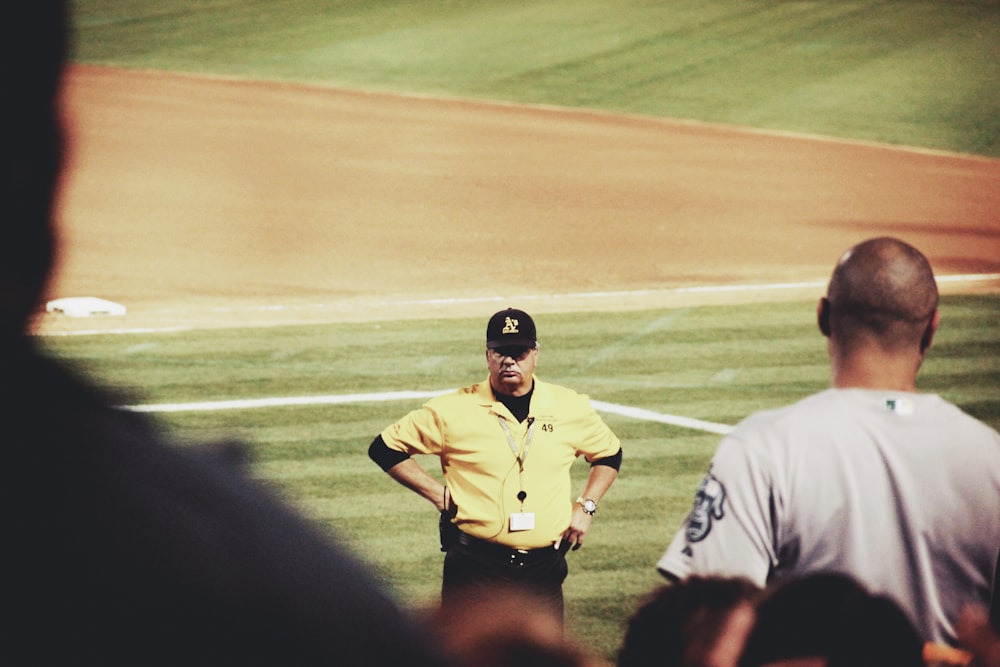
(603, 473)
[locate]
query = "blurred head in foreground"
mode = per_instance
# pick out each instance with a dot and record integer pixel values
(830, 620)
(32, 50)
(124, 546)
(694, 622)
(507, 628)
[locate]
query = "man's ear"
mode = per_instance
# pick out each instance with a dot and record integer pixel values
(928, 337)
(823, 316)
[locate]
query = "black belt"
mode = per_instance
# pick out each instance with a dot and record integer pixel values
(505, 554)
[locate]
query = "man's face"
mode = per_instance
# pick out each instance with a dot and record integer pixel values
(512, 369)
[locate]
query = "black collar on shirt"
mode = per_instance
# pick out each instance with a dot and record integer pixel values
(518, 405)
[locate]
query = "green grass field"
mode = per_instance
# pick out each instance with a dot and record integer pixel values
(712, 363)
(917, 73)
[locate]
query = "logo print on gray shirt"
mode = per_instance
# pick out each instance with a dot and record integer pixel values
(708, 502)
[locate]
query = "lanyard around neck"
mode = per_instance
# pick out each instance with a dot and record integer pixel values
(521, 456)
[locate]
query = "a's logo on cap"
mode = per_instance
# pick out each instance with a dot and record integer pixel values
(509, 326)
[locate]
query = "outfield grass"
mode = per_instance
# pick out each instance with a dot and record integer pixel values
(918, 73)
(713, 363)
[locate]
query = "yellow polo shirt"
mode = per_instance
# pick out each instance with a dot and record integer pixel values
(464, 429)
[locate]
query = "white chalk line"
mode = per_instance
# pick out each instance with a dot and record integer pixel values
(282, 402)
(344, 399)
(524, 298)
(661, 418)
(617, 294)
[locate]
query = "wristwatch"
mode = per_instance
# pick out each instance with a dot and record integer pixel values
(589, 506)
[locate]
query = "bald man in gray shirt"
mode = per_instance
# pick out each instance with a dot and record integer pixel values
(898, 489)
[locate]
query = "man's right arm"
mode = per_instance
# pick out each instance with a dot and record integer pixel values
(408, 472)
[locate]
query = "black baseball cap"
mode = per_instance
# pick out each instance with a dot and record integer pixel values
(511, 328)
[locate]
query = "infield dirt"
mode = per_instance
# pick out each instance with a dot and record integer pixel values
(209, 202)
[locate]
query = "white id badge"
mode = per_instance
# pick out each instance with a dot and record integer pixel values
(522, 521)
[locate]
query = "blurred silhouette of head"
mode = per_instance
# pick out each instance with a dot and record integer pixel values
(32, 50)
(509, 627)
(694, 622)
(832, 617)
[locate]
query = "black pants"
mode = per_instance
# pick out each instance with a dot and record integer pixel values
(474, 567)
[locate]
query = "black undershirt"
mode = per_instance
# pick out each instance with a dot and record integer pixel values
(518, 405)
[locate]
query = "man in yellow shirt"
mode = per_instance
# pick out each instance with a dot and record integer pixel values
(506, 447)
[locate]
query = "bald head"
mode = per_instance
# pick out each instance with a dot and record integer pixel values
(882, 291)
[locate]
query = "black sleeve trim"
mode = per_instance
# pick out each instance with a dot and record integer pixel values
(610, 461)
(668, 575)
(383, 455)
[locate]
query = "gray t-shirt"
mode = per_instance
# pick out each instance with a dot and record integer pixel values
(899, 490)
